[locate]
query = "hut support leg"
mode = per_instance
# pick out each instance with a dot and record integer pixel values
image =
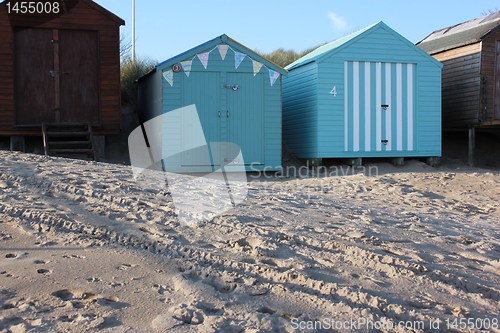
(398, 161)
(17, 143)
(314, 162)
(99, 142)
(355, 162)
(433, 161)
(472, 146)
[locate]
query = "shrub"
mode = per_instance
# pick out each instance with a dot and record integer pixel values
(131, 71)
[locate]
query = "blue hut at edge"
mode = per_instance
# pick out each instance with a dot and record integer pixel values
(237, 95)
(369, 94)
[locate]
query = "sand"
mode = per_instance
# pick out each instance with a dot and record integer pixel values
(84, 247)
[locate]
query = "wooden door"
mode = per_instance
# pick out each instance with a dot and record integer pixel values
(379, 109)
(203, 90)
(245, 116)
(34, 76)
(79, 84)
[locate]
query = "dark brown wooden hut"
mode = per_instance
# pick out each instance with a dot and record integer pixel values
(59, 66)
(470, 53)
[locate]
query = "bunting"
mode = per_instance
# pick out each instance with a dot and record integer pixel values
(238, 58)
(223, 50)
(186, 66)
(204, 58)
(273, 76)
(169, 77)
(256, 67)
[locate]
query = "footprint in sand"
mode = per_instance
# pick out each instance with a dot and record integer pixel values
(266, 310)
(73, 256)
(17, 255)
(44, 271)
(5, 236)
(124, 267)
(68, 295)
(189, 315)
(162, 289)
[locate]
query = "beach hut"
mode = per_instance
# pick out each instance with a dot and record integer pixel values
(59, 64)
(369, 94)
(237, 96)
(470, 53)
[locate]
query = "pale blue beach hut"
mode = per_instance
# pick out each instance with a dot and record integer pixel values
(369, 94)
(237, 94)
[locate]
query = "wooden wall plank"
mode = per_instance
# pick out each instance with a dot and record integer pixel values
(490, 76)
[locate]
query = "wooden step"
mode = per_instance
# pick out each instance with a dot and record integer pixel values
(68, 139)
(64, 134)
(71, 143)
(71, 151)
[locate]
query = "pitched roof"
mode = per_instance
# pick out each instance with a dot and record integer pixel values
(335, 46)
(224, 39)
(322, 50)
(105, 12)
(462, 34)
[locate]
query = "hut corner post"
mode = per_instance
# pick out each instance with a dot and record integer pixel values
(472, 146)
(17, 143)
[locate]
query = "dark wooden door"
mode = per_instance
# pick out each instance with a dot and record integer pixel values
(56, 76)
(79, 73)
(34, 76)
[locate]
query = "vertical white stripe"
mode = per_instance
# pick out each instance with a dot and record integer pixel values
(410, 106)
(388, 128)
(346, 106)
(355, 106)
(399, 106)
(378, 110)
(367, 106)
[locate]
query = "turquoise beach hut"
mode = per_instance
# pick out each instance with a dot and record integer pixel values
(237, 95)
(369, 94)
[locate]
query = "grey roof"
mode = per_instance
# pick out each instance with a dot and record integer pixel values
(462, 34)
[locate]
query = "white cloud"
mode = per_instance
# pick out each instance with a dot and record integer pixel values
(338, 22)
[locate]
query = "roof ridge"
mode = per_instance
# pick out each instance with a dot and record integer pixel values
(481, 19)
(325, 48)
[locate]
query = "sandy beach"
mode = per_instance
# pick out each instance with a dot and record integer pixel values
(84, 248)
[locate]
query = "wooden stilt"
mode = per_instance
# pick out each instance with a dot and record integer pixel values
(472, 146)
(17, 143)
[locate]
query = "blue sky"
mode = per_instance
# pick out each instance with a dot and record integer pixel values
(167, 28)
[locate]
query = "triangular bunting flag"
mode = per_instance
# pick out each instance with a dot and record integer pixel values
(256, 67)
(204, 58)
(223, 50)
(169, 77)
(273, 76)
(186, 66)
(238, 58)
